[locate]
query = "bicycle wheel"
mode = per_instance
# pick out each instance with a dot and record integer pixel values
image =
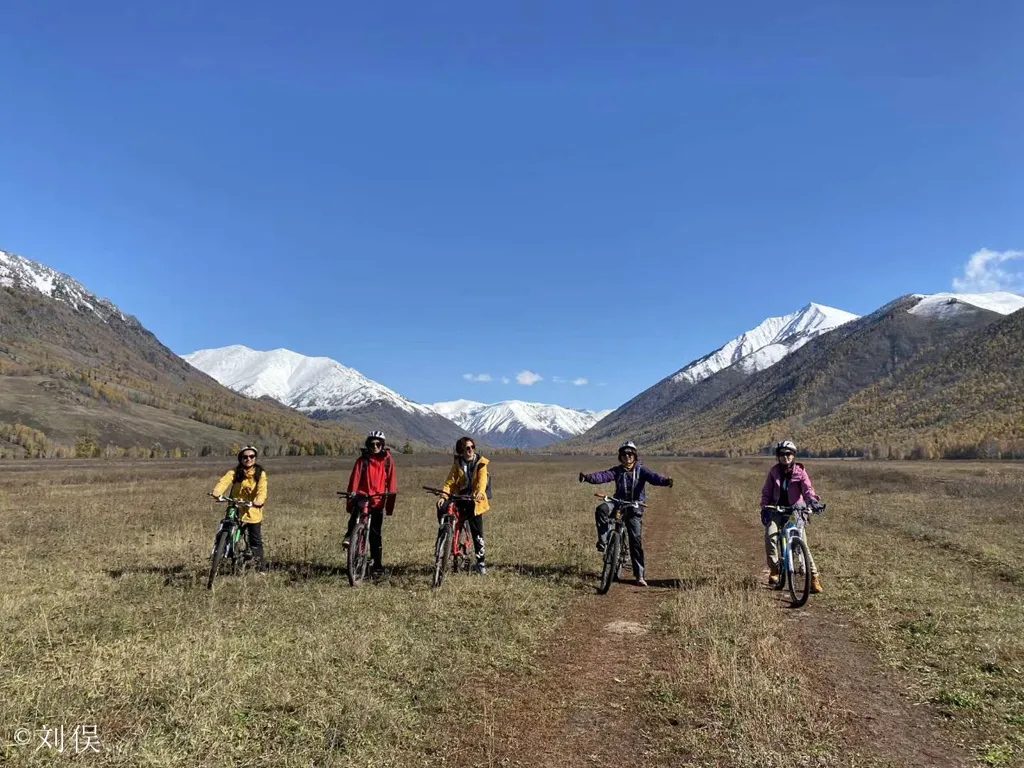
(783, 564)
(220, 546)
(442, 552)
(358, 554)
(241, 556)
(612, 554)
(799, 583)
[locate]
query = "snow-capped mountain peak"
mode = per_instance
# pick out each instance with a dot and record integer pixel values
(308, 384)
(27, 275)
(768, 343)
(943, 305)
(518, 424)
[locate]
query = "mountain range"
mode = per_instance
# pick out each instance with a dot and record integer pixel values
(926, 375)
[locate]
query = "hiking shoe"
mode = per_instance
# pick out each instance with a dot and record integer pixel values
(600, 546)
(773, 576)
(377, 571)
(481, 569)
(641, 582)
(816, 588)
(345, 542)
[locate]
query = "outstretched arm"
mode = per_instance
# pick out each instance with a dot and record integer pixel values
(654, 478)
(598, 478)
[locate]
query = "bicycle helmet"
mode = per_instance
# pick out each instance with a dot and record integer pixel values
(252, 448)
(375, 435)
(629, 445)
(785, 445)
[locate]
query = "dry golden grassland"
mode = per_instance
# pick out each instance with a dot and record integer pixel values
(105, 619)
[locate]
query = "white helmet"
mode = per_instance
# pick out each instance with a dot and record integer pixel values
(628, 445)
(785, 445)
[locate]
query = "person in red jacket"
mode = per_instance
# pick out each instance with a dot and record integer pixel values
(374, 472)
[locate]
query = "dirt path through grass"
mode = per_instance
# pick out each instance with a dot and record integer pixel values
(875, 717)
(579, 704)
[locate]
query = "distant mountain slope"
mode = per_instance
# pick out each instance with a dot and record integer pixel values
(967, 402)
(518, 424)
(326, 390)
(704, 380)
(76, 369)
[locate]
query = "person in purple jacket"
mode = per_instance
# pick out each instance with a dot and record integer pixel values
(630, 478)
(788, 485)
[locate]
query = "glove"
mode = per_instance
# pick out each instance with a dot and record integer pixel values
(817, 506)
(766, 516)
(670, 481)
(583, 478)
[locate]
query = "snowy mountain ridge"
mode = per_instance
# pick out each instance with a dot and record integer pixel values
(763, 346)
(518, 424)
(19, 272)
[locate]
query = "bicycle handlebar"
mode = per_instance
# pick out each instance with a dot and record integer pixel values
(620, 501)
(817, 509)
(439, 492)
(236, 502)
(347, 495)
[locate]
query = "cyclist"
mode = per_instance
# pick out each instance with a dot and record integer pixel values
(373, 472)
(788, 484)
(248, 482)
(468, 477)
(630, 478)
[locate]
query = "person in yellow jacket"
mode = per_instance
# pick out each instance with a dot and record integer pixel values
(248, 482)
(469, 477)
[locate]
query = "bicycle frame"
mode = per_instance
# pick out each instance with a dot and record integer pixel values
(460, 535)
(792, 529)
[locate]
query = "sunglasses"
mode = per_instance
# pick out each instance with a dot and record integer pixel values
(628, 453)
(469, 448)
(249, 457)
(790, 454)
(377, 443)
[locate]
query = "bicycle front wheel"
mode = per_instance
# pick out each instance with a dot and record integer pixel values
(220, 546)
(612, 555)
(800, 573)
(358, 554)
(442, 552)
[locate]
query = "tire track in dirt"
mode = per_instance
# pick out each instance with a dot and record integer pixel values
(576, 707)
(875, 716)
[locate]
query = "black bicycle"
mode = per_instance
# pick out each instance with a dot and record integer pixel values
(453, 543)
(616, 553)
(230, 543)
(359, 559)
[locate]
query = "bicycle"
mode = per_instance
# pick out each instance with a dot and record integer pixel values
(451, 550)
(616, 552)
(230, 541)
(794, 555)
(358, 563)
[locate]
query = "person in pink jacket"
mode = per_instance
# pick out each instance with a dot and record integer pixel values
(788, 485)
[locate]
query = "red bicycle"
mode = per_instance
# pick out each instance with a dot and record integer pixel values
(454, 542)
(358, 566)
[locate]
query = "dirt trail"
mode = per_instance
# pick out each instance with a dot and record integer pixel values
(876, 716)
(576, 708)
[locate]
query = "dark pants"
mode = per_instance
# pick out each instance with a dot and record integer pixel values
(634, 529)
(376, 532)
(254, 538)
(476, 526)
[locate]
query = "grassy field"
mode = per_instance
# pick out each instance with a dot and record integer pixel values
(105, 619)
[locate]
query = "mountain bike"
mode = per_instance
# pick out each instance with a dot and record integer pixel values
(358, 563)
(230, 543)
(453, 543)
(794, 556)
(616, 552)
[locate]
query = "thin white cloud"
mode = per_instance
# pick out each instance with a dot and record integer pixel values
(988, 271)
(580, 382)
(528, 378)
(558, 380)
(483, 378)
(505, 380)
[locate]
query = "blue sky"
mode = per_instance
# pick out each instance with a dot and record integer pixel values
(582, 190)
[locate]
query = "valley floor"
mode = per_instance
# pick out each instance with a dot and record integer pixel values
(914, 656)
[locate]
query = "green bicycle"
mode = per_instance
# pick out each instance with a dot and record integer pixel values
(230, 543)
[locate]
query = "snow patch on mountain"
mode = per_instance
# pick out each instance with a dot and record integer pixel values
(27, 275)
(308, 384)
(943, 305)
(518, 424)
(768, 343)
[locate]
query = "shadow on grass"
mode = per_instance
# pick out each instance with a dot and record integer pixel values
(178, 575)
